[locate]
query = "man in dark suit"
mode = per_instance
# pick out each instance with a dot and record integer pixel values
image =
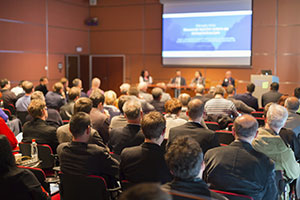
(272, 96)
(67, 110)
(178, 81)
(156, 102)
(79, 157)
(228, 80)
(238, 167)
(38, 128)
(247, 97)
(98, 118)
(185, 160)
(130, 135)
(78, 83)
(146, 163)
(56, 98)
(42, 86)
(205, 137)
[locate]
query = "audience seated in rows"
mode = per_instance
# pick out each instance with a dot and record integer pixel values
(146, 163)
(78, 83)
(17, 183)
(67, 110)
(38, 128)
(240, 106)
(96, 83)
(99, 119)
(8, 97)
(131, 134)
(143, 94)
(184, 158)
(218, 106)
(83, 104)
(56, 98)
(80, 157)
(272, 96)
(238, 168)
(43, 85)
(247, 97)
(156, 103)
(206, 138)
(272, 145)
(120, 120)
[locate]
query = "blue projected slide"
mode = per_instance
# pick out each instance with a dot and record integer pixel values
(207, 34)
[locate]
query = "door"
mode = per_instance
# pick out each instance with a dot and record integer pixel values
(110, 69)
(72, 68)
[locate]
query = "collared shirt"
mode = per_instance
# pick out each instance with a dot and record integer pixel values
(23, 103)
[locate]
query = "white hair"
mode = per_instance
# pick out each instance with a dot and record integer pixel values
(277, 116)
(124, 88)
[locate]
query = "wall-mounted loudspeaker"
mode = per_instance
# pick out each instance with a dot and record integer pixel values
(93, 2)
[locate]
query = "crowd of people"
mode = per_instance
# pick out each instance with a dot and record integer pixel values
(141, 137)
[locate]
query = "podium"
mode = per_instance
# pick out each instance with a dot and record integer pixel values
(262, 85)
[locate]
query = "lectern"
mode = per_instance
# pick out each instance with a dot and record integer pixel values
(262, 85)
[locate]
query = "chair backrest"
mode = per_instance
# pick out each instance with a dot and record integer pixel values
(77, 187)
(12, 108)
(230, 125)
(261, 109)
(44, 151)
(224, 137)
(260, 120)
(257, 114)
(233, 196)
(40, 175)
(212, 125)
(22, 116)
(65, 121)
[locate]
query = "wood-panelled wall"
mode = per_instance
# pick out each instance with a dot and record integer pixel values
(38, 33)
(133, 28)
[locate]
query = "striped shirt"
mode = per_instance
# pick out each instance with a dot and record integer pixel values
(220, 106)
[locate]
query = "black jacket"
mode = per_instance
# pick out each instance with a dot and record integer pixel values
(194, 187)
(128, 136)
(39, 130)
(144, 163)
(205, 137)
(80, 158)
(240, 169)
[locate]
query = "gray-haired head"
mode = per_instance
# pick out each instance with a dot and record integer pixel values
(277, 116)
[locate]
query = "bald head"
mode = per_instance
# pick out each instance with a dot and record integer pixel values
(195, 109)
(96, 83)
(292, 104)
(245, 126)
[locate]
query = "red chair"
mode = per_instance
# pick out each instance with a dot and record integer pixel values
(261, 109)
(230, 125)
(8, 113)
(224, 137)
(40, 175)
(65, 121)
(12, 108)
(212, 125)
(257, 114)
(77, 187)
(233, 196)
(44, 151)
